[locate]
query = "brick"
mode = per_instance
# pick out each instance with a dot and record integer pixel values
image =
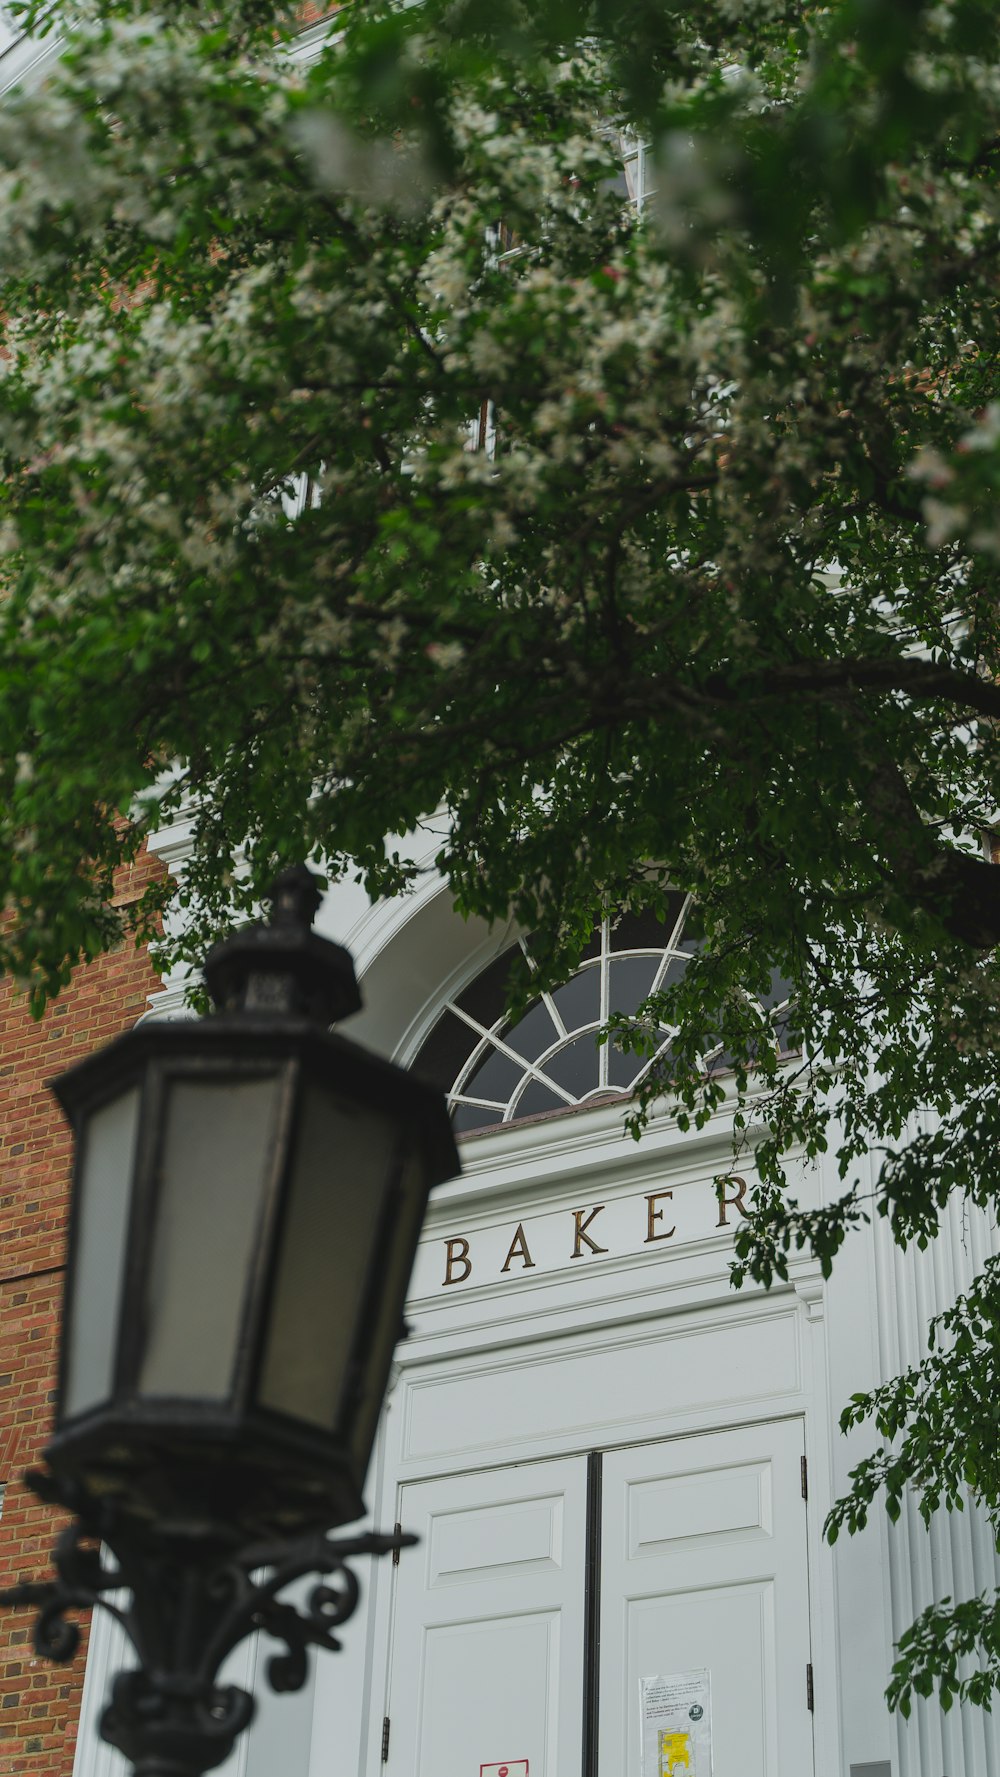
(40, 1702)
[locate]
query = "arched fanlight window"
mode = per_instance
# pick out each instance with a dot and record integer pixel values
(495, 1070)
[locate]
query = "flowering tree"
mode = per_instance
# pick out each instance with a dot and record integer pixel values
(366, 460)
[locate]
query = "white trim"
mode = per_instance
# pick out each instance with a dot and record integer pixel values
(309, 43)
(25, 62)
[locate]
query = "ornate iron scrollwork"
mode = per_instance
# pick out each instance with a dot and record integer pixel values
(186, 1597)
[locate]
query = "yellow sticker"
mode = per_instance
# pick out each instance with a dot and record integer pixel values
(675, 1752)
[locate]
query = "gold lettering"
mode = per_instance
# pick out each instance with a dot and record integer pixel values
(656, 1215)
(519, 1249)
(457, 1253)
(733, 1202)
(581, 1226)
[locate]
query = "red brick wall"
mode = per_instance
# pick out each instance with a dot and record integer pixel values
(39, 1702)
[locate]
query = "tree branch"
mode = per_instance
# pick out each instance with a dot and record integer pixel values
(922, 680)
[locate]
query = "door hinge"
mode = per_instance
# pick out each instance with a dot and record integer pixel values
(397, 1530)
(804, 1474)
(385, 1739)
(810, 1704)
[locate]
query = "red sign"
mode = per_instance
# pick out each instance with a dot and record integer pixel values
(512, 1767)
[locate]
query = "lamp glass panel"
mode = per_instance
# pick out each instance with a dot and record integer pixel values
(217, 1159)
(342, 1168)
(103, 1186)
(411, 1205)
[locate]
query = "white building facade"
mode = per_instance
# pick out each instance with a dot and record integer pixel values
(618, 1467)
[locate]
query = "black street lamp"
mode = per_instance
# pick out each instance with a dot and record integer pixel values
(247, 1197)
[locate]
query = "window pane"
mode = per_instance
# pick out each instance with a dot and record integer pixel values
(623, 1070)
(534, 1033)
(673, 973)
(579, 1002)
(442, 1055)
(577, 1066)
(778, 991)
(693, 935)
(786, 1031)
(486, 997)
(537, 1098)
(496, 1077)
(467, 1117)
(645, 931)
(631, 980)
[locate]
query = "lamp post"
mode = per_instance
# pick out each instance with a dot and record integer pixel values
(247, 1196)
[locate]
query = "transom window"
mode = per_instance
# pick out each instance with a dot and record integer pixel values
(496, 1070)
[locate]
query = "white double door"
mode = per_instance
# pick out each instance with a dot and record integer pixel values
(542, 1593)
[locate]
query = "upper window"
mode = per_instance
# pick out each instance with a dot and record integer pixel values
(495, 1069)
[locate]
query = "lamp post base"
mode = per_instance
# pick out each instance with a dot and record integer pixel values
(186, 1597)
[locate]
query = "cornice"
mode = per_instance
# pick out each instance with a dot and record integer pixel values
(591, 1144)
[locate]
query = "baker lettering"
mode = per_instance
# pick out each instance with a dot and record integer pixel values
(733, 1202)
(581, 1222)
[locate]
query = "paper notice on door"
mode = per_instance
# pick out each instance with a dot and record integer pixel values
(517, 1767)
(676, 1722)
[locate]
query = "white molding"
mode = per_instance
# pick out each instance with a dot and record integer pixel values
(25, 62)
(173, 840)
(169, 1001)
(109, 1651)
(779, 1394)
(584, 1141)
(810, 1292)
(308, 44)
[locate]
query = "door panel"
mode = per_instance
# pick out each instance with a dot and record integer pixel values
(488, 1624)
(490, 1687)
(730, 1630)
(703, 1563)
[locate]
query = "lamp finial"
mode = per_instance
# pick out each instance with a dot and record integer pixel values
(283, 965)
